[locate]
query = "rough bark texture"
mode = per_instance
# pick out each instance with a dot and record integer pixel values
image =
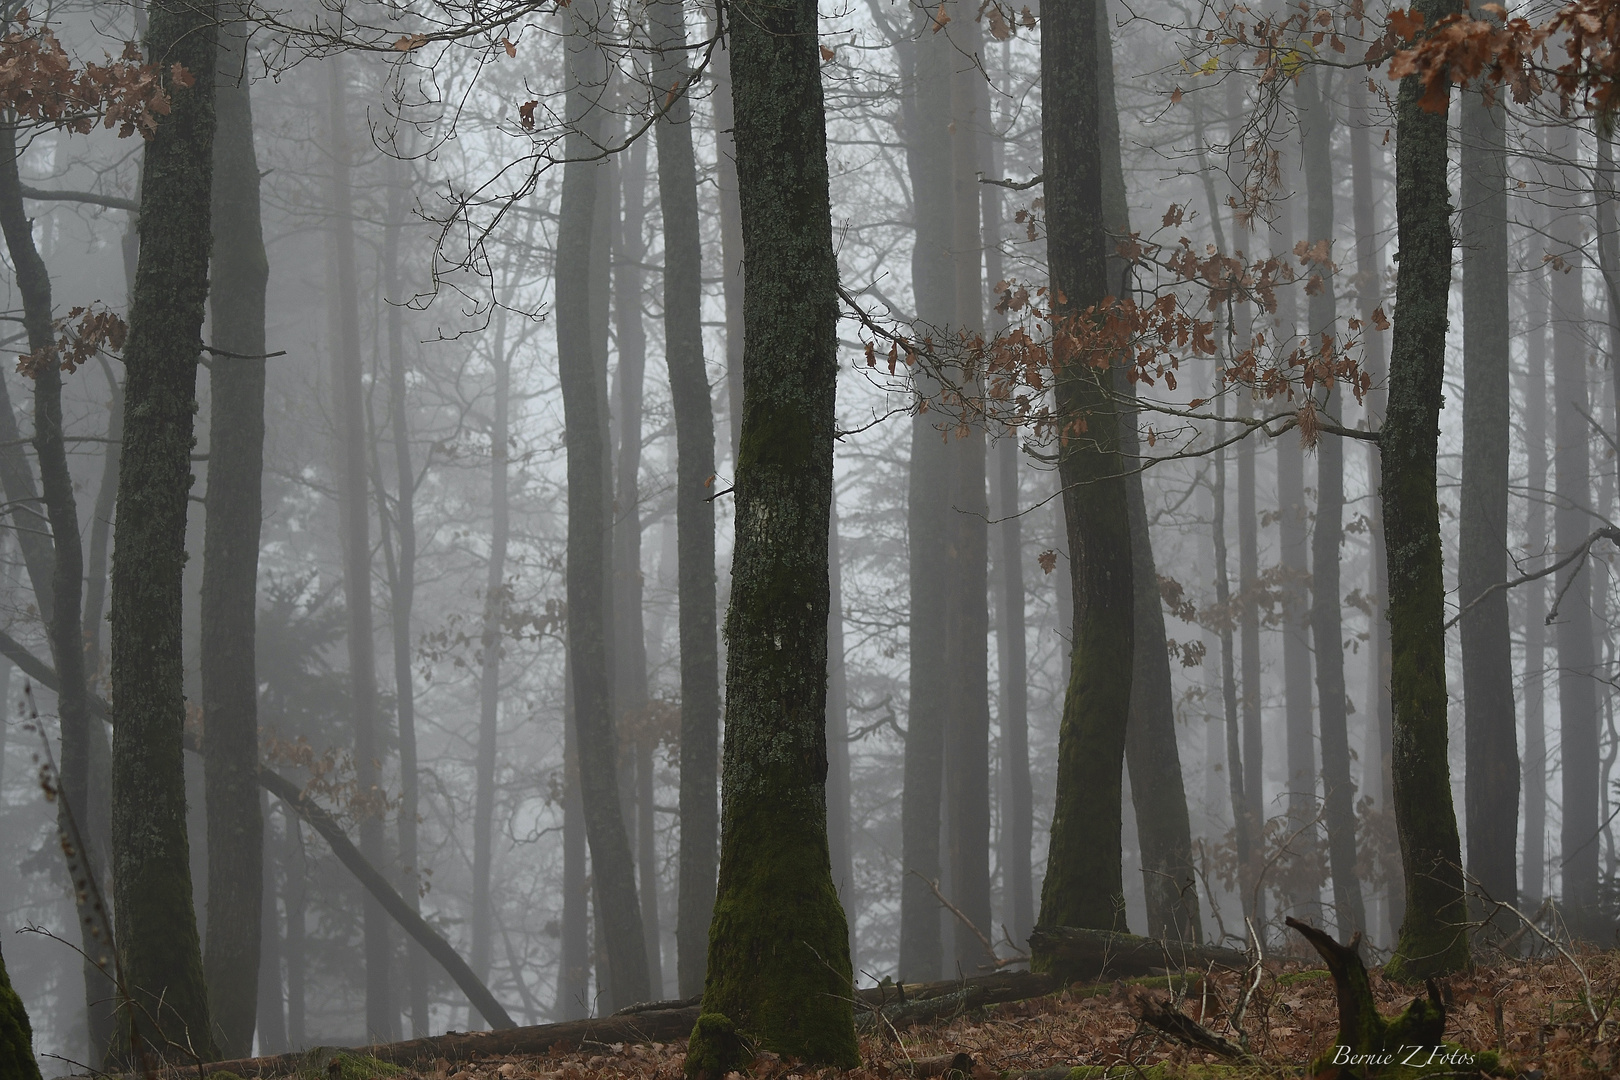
(779, 967)
(157, 926)
(1158, 792)
(694, 512)
(589, 517)
(382, 1018)
(62, 619)
(16, 1034)
(239, 274)
(1327, 612)
(1572, 521)
(926, 67)
(1492, 794)
(1432, 937)
(1083, 885)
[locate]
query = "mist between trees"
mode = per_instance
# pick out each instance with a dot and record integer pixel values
(514, 510)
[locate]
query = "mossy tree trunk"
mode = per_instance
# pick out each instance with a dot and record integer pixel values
(157, 925)
(1083, 878)
(779, 967)
(1327, 612)
(16, 1034)
(63, 627)
(239, 274)
(694, 512)
(1432, 936)
(588, 589)
(1492, 793)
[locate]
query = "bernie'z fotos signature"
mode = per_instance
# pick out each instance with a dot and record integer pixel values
(1416, 1056)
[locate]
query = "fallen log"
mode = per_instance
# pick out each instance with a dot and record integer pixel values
(659, 1025)
(1077, 955)
(902, 1005)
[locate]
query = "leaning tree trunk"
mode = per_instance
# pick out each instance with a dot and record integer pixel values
(589, 519)
(1433, 938)
(157, 925)
(694, 511)
(779, 969)
(1083, 876)
(66, 567)
(382, 1018)
(1327, 611)
(238, 277)
(1158, 793)
(1492, 793)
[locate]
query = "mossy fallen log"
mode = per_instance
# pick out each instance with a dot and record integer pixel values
(1077, 955)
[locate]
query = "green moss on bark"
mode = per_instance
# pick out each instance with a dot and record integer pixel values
(778, 962)
(16, 1034)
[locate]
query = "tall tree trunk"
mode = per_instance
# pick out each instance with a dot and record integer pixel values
(238, 277)
(1492, 794)
(1083, 883)
(271, 1021)
(731, 252)
(382, 1017)
(491, 644)
(694, 467)
(967, 578)
(1577, 691)
(589, 527)
(65, 583)
(928, 517)
(157, 925)
(779, 968)
(293, 900)
(402, 592)
(1534, 594)
(1017, 809)
(1327, 613)
(574, 954)
(1369, 298)
(629, 627)
(838, 777)
(1432, 939)
(1242, 818)
(1158, 792)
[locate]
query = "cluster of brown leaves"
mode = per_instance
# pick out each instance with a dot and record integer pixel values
(43, 85)
(84, 332)
(1529, 1010)
(332, 777)
(1513, 52)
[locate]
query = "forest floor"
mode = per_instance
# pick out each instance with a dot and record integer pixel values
(1553, 1017)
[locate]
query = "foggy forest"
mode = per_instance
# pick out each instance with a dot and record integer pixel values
(546, 539)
